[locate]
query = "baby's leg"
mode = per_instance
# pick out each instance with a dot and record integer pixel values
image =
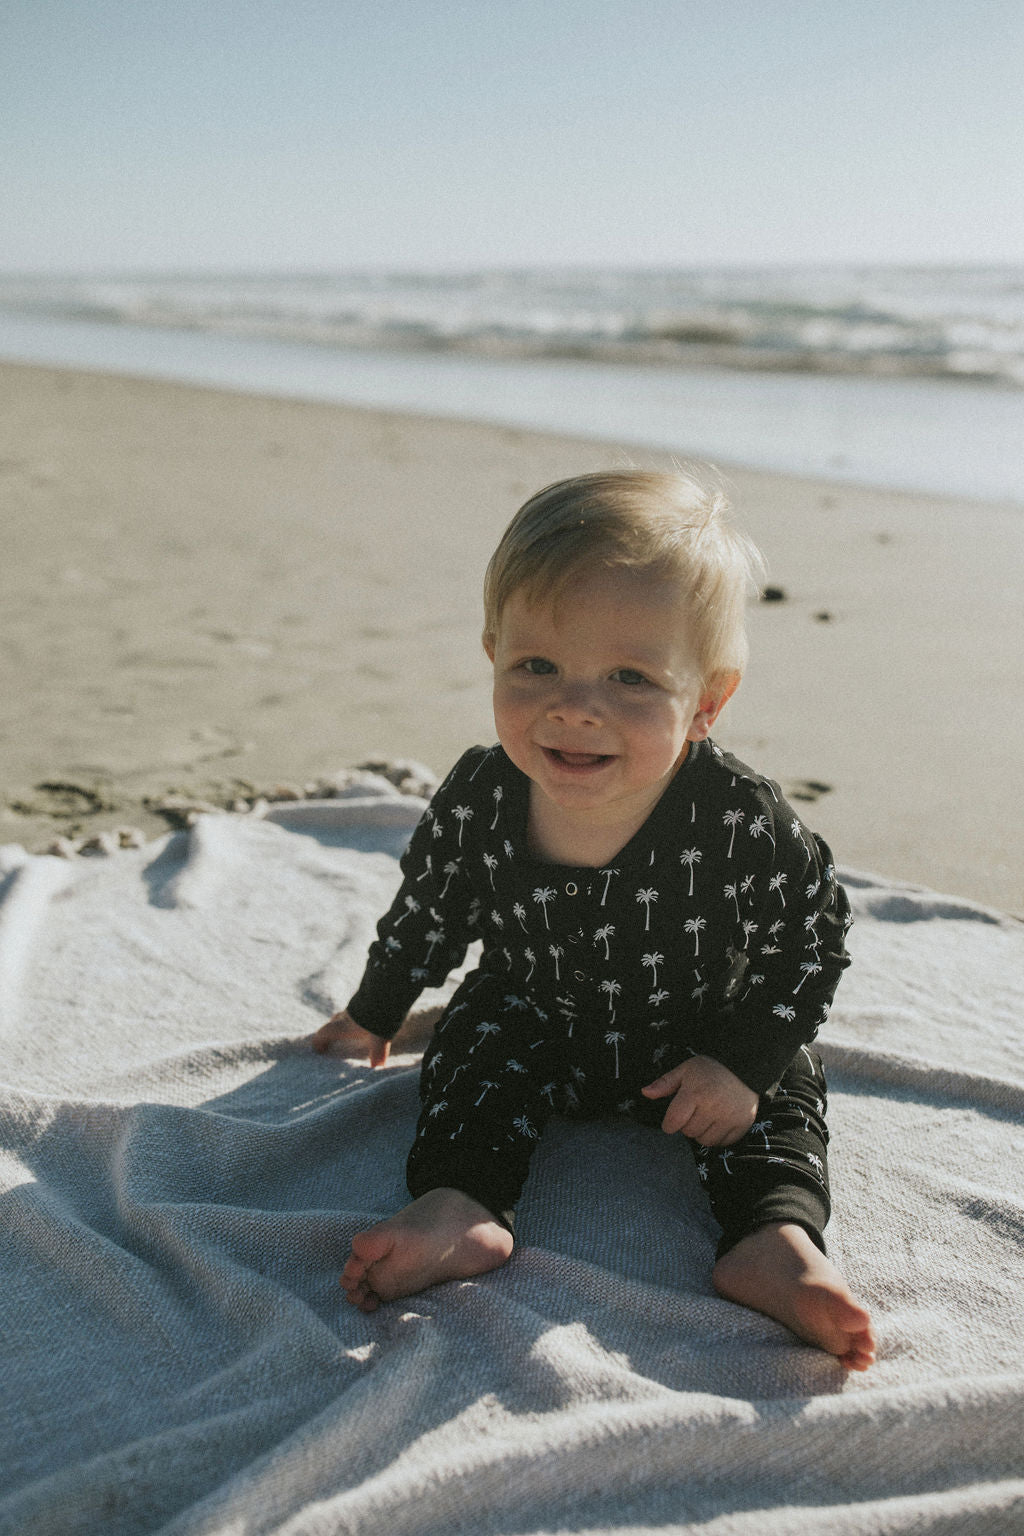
(769, 1192)
(444, 1235)
(482, 1092)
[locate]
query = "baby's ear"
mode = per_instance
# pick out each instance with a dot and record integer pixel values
(712, 701)
(488, 643)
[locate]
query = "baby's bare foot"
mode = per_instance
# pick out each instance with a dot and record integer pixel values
(780, 1271)
(444, 1235)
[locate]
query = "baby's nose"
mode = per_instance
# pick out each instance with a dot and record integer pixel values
(576, 703)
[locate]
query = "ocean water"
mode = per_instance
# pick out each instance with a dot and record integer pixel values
(903, 378)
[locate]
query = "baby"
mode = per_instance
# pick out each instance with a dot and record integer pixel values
(656, 922)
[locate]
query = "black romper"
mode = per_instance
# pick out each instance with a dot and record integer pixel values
(718, 929)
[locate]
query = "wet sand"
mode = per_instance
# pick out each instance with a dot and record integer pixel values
(212, 595)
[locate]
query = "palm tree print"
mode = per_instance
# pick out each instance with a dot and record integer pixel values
(483, 1030)
(492, 865)
(602, 935)
(691, 857)
(733, 890)
(613, 988)
(486, 1085)
(544, 894)
(695, 925)
(809, 968)
(782, 1012)
(433, 937)
(647, 897)
(732, 819)
(762, 1127)
(524, 1127)
(759, 828)
(462, 814)
(608, 873)
(652, 961)
(556, 952)
(529, 954)
(776, 883)
(614, 1038)
(497, 793)
(519, 912)
(451, 869)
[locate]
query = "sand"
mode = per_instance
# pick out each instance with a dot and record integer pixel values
(216, 594)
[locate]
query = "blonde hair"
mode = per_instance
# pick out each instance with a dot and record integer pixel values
(670, 525)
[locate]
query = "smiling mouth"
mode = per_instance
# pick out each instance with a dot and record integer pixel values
(577, 759)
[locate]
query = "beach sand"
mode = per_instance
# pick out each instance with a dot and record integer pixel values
(216, 594)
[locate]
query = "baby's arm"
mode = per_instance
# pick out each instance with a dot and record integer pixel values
(710, 1104)
(342, 1029)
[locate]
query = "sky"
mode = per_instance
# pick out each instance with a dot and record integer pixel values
(271, 135)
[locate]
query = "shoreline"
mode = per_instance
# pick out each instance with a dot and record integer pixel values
(216, 594)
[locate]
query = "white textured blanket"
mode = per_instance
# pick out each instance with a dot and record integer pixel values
(181, 1178)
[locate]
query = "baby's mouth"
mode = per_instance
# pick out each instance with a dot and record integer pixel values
(578, 759)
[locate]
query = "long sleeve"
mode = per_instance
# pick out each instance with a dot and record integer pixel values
(429, 925)
(786, 976)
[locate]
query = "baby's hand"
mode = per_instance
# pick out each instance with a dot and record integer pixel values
(711, 1104)
(341, 1029)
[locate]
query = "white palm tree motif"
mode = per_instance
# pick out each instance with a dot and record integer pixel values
(695, 925)
(657, 998)
(733, 819)
(579, 1074)
(809, 968)
(497, 919)
(762, 1127)
(647, 896)
(653, 960)
(759, 828)
(483, 1030)
(462, 814)
(496, 793)
(776, 928)
(607, 881)
(509, 850)
(747, 885)
(514, 1004)
(614, 1038)
(529, 954)
(723, 1158)
(492, 865)
(548, 1092)
(602, 935)
(811, 929)
(437, 830)
(816, 1164)
(733, 891)
(613, 989)
(433, 936)
(524, 1127)
(776, 883)
(428, 868)
(519, 912)
(514, 1066)
(782, 1012)
(813, 889)
(659, 1053)
(436, 1109)
(435, 1062)
(486, 1084)
(702, 1172)
(451, 869)
(691, 857)
(418, 973)
(798, 831)
(698, 993)
(749, 929)
(391, 943)
(544, 894)
(484, 758)
(556, 952)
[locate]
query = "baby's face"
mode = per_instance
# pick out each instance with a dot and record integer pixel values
(596, 697)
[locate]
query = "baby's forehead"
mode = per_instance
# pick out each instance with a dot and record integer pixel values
(619, 587)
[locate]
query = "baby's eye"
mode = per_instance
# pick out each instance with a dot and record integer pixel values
(629, 677)
(538, 666)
